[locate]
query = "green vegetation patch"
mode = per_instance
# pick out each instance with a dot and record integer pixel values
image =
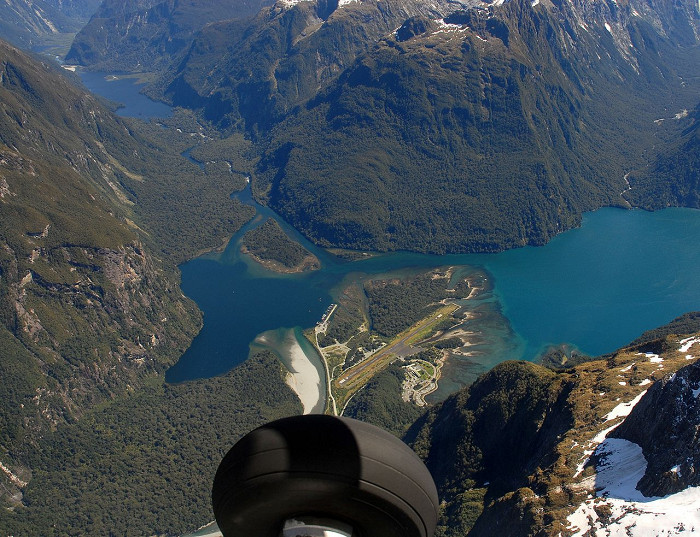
(380, 403)
(144, 465)
(396, 304)
(269, 245)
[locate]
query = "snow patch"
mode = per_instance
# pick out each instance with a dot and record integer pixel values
(628, 368)
(653, 358)
(687, 343)
(621, 466)
(450, 28)
(623, 409)
(620, 411)
(645, 382)
(342, 3)
(608, 28)
(534, 3)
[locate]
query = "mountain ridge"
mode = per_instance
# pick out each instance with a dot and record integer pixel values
(145, 35)
(43, 23)
(509, 463)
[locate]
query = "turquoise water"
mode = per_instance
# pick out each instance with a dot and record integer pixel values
(596, 287)
(600, 286)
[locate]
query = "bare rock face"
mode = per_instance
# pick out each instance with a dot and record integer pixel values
(666, 423)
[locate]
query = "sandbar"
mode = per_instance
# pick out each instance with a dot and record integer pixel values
(303, 376)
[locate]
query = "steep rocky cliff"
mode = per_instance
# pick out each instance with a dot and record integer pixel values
(665, 425)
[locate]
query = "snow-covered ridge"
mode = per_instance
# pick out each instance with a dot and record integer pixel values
(447, 27)
(620, 411)
(621, 466)
(289, 3)
(615, 507)
(292, 3)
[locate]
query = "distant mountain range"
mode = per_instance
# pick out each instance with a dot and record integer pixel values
(146, 35)
(440, 127)
(38, 24)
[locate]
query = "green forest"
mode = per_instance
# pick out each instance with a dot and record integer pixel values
(145, 463)
(271, 246)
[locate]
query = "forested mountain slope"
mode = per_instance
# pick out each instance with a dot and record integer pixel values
(87, 311)
(145, 35)
(36, 24)
(673, 178)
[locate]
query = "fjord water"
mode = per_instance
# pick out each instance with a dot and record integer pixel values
(124, 90)
(601, 285)
(597, 287)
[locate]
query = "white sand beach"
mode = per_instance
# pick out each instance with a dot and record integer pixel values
(303, 376)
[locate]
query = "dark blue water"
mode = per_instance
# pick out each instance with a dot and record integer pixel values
(124, 91)
(597, 287)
